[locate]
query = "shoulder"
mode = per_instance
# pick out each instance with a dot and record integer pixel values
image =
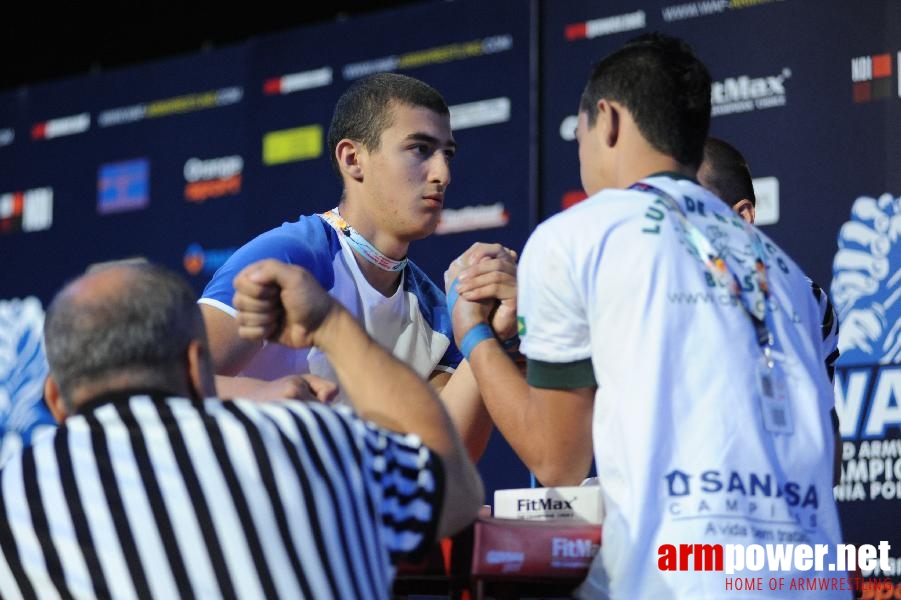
(584, 223)
(296, 241)
(309, 242)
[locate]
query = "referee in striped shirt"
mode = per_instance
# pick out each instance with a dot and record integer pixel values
(153, 488)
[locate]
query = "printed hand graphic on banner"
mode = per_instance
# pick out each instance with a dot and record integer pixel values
(23, 369)
(866, 272)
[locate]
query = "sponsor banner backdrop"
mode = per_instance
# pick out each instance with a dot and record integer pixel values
(478, 59)
(183, 160)
(814, 105)
(101, 164)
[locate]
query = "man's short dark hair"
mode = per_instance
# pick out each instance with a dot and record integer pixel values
(363, 111)
(664, 86)
(726, 172)
(142, 333)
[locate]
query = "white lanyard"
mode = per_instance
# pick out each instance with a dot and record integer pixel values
(362, 245)
(772, 385)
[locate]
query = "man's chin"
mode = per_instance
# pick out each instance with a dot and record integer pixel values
(426, 229)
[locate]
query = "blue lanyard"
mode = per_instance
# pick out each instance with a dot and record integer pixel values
(716, 265)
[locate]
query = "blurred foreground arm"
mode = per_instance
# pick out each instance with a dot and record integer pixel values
(285, 304)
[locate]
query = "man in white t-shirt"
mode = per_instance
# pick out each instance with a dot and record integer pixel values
(672, 339)
(725, 172)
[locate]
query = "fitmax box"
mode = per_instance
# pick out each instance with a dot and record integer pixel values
(581, 503)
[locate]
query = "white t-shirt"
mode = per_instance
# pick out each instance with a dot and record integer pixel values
(611, 288)
(413, 323)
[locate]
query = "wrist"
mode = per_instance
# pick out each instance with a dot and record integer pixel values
(333, 326)
(474, 336)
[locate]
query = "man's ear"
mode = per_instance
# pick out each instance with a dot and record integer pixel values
(609, 121)
(348, 153)
(54, 400)
(745, 209)
(201, 380)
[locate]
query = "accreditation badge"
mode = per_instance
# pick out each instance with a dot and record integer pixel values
(772, 388)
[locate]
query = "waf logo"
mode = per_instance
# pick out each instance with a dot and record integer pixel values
(871, 77)
(866, 282)
(23, 369)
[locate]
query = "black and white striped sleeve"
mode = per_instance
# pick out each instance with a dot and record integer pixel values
(410, 484)
(829, 329)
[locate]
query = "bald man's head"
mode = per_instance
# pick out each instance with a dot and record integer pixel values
(121, 327)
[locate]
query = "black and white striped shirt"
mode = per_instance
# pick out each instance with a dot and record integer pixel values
(829, 327)
(150, 496)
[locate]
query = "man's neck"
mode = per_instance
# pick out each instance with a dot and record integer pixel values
(654, 165)
(385, 282)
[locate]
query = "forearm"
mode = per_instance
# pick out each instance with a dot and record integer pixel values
(230, 352)
(535, 423)
(236, 387)
(464, 404)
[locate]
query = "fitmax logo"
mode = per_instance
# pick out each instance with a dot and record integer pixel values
(562, 547)
(543, 504)
(745, 93)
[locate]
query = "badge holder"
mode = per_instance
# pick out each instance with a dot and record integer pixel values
(772, 388)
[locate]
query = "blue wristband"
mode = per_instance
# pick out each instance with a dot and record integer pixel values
(452, 296)
(474, 337)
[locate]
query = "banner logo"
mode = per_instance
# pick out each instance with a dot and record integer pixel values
(123, 186)
(61, 126)
(587, 30)
(871, 77)
(745, 93)
(297, 82)
(198, 261)
(31, 210)
(212, 178)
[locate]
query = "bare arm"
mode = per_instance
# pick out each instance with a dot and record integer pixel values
(231, 353)
(550, 429)
(285, 303)
(460, 394)
(493, 276)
